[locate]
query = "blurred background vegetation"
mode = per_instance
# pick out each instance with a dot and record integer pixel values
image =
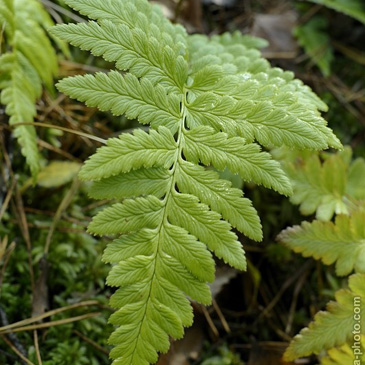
(47, 261)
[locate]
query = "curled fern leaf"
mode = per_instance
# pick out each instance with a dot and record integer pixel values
(173, 209)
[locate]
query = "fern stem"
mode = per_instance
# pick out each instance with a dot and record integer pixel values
(170, 191)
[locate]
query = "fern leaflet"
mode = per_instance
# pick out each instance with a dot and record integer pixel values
(342, 242)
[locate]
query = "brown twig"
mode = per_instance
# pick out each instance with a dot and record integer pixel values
(91, 342)
(6, 256)
(210, 321)
(61, 152)
(221, 316)
(23, 223)
(283, 288)
(9, 343)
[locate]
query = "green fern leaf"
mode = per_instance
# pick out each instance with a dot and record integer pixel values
(202, 144)
(173, 210)
(131, 151)
(313, 37)
(342, 242)
(353, 8)
(152, 181)
(133, 42)
(206, 185)
(126, 95)
(324, 187)
(30, 61)
(334, 326)
(348, 354)
(236, 59)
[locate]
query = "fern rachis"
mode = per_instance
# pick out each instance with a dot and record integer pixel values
(174, 210)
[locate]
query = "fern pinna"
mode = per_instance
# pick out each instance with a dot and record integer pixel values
(207, 100)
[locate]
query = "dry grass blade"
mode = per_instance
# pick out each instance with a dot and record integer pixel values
(51, 324)
(48, 314)
(36, 346)
(68, 130)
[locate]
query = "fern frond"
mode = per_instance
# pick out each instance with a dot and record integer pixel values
(324, 187)
(346, 354)
(334, 326)
(173, 210)
(342, 242)
(30, 61)
(19, 95)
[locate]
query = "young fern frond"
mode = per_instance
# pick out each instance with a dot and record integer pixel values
(29, 61)
(342, 242)
(173, 209)
(336, 325)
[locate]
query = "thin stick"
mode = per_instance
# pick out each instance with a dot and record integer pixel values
(16, 350)
(7, 198)
(48, 314)
(57, 150)
(210, 321)
(45, 125)
(52, 323)
(221, 316)
(25, 232)
(91, 342)
(36, 346)
(7, 255)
